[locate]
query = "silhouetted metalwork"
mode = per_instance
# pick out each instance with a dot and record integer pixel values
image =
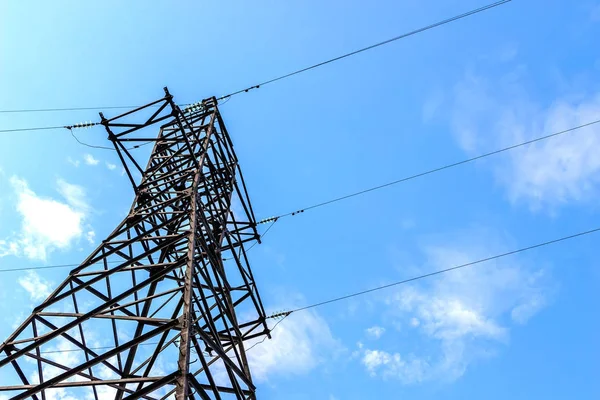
(163, 307)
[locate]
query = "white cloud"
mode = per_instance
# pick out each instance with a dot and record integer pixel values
(8, 247)
(46, 224)
(111, 166)
(90, 237)
(74, 194)
(393, 365)
(375, 332)
(460, 316)
(90, 160)
(299, 344)
(547, 173)
(58, 351)
(37, 287)
(73, 162)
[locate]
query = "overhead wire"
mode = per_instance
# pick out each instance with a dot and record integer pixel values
(296, 72)
(287, 313)
(370, 47)
(39, 128)
(374, 188)
(263, 234)
(89, 145)
(443, 271)
(146, 344)
(227, 97)
(109, 262)
(419, 277)
(429, 172)
(64, 109)
(70, 129)
(50, 267)
(271, 330)
(284, 314)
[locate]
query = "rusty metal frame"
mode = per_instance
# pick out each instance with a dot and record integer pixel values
(169, 295)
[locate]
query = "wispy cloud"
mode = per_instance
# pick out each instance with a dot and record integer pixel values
(459, 317)
(299, 344)
(90, 160)
(90, 236)
(46, 224)
(37, 287)
(74, 195)
(111, 166)
(408, 371)
(563, 169)
(375, 332)
(73, 162)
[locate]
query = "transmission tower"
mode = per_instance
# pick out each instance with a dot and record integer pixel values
(162, 309)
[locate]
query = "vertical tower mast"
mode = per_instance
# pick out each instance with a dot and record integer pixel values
(163, 307)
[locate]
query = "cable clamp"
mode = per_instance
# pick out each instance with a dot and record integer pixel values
(279, 315)
(267, 220)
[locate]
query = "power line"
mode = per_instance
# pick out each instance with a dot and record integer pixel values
(147, 344)
(89, 145)
(523, 249)
(402, 36)
(70, 128)
(428, 172)
(64, 109)
(290, 74)
(263, 235)
(42, 128)
(49, 267)
(109, 262)
(272, 329)
(397, 283)
(419, 277)
(431, 171)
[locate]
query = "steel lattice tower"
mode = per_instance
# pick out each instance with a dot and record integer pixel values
(163, 307)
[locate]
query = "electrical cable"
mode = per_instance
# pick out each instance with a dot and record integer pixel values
(265, 338)
(285, 314)
(41, 128)
(352, 53)
(274, 219)
(65, 109)
(70, 128)
(109, 262)
(299, 71)
(428, 172)
(256, 242)
(49, 267)
(263, 235)
(87, 144)
(442, 271)
(148, 344)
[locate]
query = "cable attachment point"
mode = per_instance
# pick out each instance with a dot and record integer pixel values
(83, 125)
(266, 220)
(197, 106)
(279, 315)
(252, 87)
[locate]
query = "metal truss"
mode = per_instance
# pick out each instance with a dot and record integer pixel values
(163, 307)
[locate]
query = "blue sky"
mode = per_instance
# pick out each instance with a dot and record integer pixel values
(522, 327)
